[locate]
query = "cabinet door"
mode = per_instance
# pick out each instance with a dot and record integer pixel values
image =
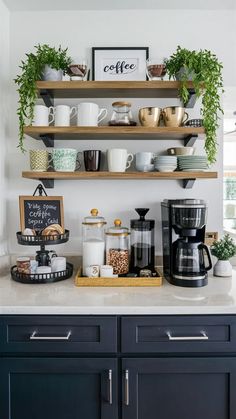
(196, 388)
(58, 388)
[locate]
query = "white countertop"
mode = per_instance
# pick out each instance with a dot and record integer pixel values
(218, 297)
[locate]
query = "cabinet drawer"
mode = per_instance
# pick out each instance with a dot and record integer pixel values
(179, 334)
(58, 334)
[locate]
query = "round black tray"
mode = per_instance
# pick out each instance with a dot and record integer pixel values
(26, 240)
(41, 278)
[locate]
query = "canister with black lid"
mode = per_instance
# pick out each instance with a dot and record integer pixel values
(142, 242)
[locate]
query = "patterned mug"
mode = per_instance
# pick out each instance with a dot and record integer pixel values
(39, 160)
(65, 160)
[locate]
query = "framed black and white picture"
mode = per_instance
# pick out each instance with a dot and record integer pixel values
(113, 64)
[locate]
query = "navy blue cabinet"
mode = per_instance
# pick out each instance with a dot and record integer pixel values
(61, 388)
(168, 388)
(111, 367)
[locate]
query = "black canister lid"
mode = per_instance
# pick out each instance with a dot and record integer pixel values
(142, 223)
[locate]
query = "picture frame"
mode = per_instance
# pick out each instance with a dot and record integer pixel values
(37, 212)
(119, 63)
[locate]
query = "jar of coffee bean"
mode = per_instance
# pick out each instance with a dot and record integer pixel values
(118, 248)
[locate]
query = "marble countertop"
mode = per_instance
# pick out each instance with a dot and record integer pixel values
(218, 297)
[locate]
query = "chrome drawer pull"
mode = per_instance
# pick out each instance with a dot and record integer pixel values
(127, 387)
(203, 336)
(35, 337)
(110, 386)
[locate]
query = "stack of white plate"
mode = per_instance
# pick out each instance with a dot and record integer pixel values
(165, 163)
(192, 163)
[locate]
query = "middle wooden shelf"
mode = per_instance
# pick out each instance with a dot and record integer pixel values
(110, 132)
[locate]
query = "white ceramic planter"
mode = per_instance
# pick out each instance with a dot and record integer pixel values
(184, 72)
(51, 74)
(222, 268)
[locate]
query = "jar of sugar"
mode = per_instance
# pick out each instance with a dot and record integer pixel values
(93, 240)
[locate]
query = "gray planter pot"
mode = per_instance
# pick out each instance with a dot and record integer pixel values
(51, 74)
(184, 72)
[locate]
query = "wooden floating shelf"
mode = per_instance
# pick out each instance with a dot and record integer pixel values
(111, 89)
(108, 132)
(126, 175)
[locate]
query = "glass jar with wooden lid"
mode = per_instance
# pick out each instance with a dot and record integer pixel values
(121, 115)
(117, 248)
(93, 239)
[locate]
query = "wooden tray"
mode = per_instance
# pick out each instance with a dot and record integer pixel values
(84, 281)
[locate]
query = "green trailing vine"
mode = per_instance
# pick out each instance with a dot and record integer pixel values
(205, 71)
(31, 71)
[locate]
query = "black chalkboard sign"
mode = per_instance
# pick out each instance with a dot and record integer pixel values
(37, 212)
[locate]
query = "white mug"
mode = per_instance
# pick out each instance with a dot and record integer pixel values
(92, 271)
(118, 159)
(144, 161)
(89, 114)
(106, 271)
(43, 116)
(58, 263)
(63, 115)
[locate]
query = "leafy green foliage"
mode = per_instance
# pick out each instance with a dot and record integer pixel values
(31, 71)
(224, 248)
(206, 74)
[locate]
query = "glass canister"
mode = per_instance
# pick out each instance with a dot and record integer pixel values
(121, 114)
(142, 242)
(117, 248)
(93, 240)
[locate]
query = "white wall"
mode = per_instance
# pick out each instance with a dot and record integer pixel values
(162, 31)
(4, 111)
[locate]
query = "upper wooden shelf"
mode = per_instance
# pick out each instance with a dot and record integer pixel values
(108, 132)
(110, 89)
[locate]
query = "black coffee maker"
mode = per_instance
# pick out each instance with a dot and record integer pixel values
(183, 234)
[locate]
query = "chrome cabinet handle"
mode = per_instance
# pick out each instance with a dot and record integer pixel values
(203, 336)
(110, 386)
(127, 387)
(34, 336)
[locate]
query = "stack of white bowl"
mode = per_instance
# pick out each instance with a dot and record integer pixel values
(165, 163)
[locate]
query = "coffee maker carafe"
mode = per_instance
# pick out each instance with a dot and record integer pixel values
(184, 251)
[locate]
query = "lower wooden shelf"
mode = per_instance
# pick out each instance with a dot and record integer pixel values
(47, 178)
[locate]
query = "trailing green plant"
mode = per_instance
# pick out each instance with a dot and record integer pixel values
(31, 71)
(224, 248)
(205, 71)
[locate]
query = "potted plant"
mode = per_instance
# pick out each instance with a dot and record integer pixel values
(205, 71)
(46, 63)
(223, 249)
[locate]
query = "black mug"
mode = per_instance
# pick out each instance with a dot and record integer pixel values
(92, 160)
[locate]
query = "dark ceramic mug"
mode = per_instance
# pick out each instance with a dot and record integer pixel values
(92, 160)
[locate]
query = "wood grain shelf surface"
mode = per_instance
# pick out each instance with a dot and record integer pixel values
(108, 132)
(126, 175)
(111, 89)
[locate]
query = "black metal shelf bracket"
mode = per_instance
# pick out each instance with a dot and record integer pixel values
(188, 183)
(47, 183)
(190, 140)
(48, 139)
(47, 97)
(192, 99)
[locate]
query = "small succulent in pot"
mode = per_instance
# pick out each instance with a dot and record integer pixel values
(44, 63)
(205, 71)
(223, 249)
